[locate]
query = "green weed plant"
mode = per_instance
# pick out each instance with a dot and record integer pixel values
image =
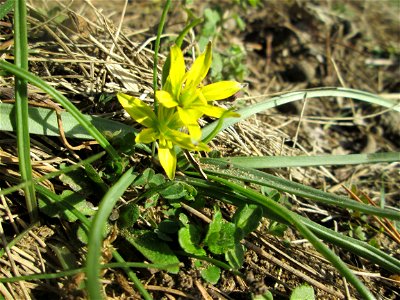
(171, 125)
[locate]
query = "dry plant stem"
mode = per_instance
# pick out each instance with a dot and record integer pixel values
(194, 163)
(203, 291)
(271, 258)
(294, 271)
(289, 258)
(168, 290)
(392, 231)
(9, 214)
(12, 262)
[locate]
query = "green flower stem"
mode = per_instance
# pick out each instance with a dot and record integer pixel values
(293, 219)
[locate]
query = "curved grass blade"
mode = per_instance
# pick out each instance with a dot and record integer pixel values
(300, 95)
(265, 162)
(21, 108)
(52, 174)
(93, 131)
(254, 176)
(355, 246)
(44, 121)
(360, 248)
(96, 234)
(292, 218)
(80, 270)
(53, 198)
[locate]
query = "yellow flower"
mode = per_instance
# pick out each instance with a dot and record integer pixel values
(184, 91)
(163, 127)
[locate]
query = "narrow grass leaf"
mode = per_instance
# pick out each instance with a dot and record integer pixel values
(300, 95)
(360, 248)
(264, 179)
(85, 123)
(70, 272)
(96, 233)
(307, 233)
(264, 162)
(21, 108)
(5, 8)
(44, 121)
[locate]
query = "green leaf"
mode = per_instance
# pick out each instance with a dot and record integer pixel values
(299, 96)
(5, 8)
(235, 256)
(221, 236)
(277, 229)
(128, 215)
(83, 235)
(73, 199)
(189, 239)
(264, 162)
(248, 217)
(303, 292)
(44, 121)
(149, 178)
(266, 296)
(65, 256)
(173, 191)
(155, 250)
(168, 226)
(91, 129)
(211, 274)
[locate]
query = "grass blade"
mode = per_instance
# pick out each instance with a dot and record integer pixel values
(96, 233)
(300, 95)
(363, 249)
(44, 121)
(21, 108)
(292, 218)
(264, 162)
(79, 270)
(85, 123)
(5, 8)
(280, 184)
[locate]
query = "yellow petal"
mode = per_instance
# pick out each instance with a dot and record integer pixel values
(184, 141)
(220, 90)
(137, 109)
(195, 132)
(189, 116)
(218, 112)
(166, 99)
(213, 111)
(167, 157)
(199, 68)
(146, 136)
(177, 70)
